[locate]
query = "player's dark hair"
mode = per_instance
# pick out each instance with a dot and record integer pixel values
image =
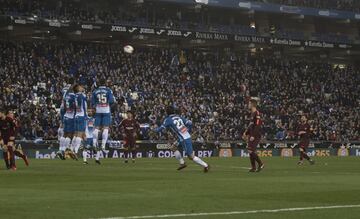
(170, 110)
(253, 102)
(102, 82)
(76, 88)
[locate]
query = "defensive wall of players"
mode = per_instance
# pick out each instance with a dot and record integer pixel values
(151, 149)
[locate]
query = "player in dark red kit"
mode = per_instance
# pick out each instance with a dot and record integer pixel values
(253, 136)
(129, 128)
(304, 132)
(8, 129)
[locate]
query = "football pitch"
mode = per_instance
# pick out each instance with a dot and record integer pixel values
(152, 187)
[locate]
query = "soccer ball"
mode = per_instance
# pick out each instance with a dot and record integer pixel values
(128, 49)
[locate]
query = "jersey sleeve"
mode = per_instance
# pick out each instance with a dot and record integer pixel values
(163, 126)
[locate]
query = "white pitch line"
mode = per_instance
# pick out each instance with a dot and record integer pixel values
(237, 212)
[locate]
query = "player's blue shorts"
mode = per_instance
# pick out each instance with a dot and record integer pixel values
(80, 124)
(102, 119)
(187, 146)
(69, 125)
(89, 143)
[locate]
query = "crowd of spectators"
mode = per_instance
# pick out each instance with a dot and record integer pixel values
(210, 89)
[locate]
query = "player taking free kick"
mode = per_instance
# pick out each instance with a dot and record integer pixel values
(177, 125)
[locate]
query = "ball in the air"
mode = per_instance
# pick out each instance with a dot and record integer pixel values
(128, 49)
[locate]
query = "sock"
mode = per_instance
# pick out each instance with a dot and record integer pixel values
(67, 143)
(12, 157)
(72, 145)
(199, 161)
(76, 144)
(6, 159)
(126, 154)
(84, 154)
(97, 156)
(95, 137)
(301, 155)
(105, 135)
(60, 133)
(62, 143)
(252, 161)
(179, 157)
(257, 159)
(133, 153)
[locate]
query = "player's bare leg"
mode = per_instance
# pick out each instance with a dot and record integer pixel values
(20, 153)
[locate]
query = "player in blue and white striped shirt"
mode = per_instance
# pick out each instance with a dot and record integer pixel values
(101, 100)
(180, 127)
(80, 117)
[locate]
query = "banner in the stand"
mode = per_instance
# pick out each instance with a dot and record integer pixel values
(226, 37)
(185, 34)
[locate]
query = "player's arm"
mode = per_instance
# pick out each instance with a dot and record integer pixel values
(301, 132)
(111, 98)
(93, 100)
(85, 103)
(162, 127)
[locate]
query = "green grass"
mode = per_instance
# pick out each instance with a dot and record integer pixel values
(67, 189)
